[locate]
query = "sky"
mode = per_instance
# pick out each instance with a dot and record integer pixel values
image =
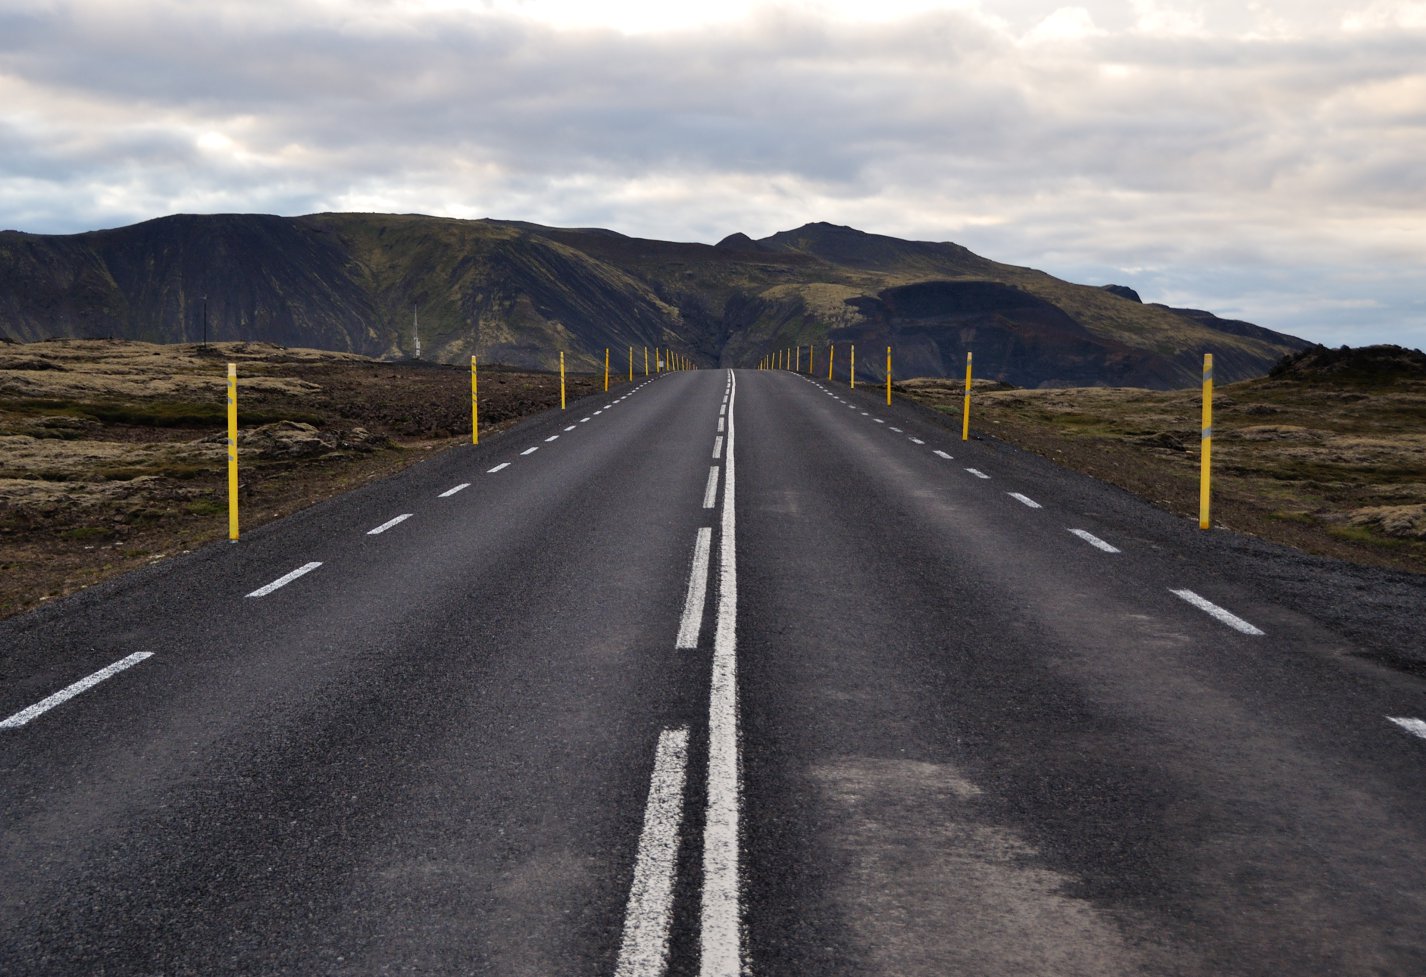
(1263, 160)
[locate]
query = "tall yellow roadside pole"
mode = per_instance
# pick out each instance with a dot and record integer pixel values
(233, 452)
(810, 347)
(606, 369)
(474, 404)
(852, 371)
(798, 364)
(561, 379)
(631, 364)
(965, 408)
(1205, 474)
(888, 376)
(646, 361)
(831, 358)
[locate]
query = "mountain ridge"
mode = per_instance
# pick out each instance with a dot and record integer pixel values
(517, 292)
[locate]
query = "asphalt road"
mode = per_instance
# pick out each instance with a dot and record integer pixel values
(732, 672)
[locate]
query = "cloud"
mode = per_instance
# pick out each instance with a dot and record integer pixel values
(1252, 156)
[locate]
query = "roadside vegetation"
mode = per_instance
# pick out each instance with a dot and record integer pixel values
(1326, 454)
(113, 453)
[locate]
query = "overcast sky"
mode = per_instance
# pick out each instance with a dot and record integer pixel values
(1265, 160)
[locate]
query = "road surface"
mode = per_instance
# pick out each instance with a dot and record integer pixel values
(722, 672)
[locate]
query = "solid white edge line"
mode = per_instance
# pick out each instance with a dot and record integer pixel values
(1415, 727)
(1094, 541)
(710, 493)
(643, 951)
(70, 691)
(718, 447)
(388, 524)
(696, 596)
(1213, 610)
(977, 473)
(499, 467)
(284, 580)
(1024, 500)
(452, 491)
(939, 453)
(720, 936)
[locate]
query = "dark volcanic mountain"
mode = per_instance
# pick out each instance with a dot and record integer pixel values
(518, 293)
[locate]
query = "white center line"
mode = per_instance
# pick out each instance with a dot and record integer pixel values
(710, 493)
(499, 467)
(601, 411)
(70, 691)
(721, 936)
(720, 425)
(941, 454)
(284, 580)
(718, 447)
(584, 420)
(552, 437)
(1415, 727)
(388, 524)
(696, 596)
(643, 952)
(977, 473)
(897, 430)
(878, 420)
(1094, 541)
(570, 428)
(917, 441)
(1024, 500)
(1227, 617)
(452, 491)
(530, 451)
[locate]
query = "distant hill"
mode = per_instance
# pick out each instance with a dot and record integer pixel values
(517, 293)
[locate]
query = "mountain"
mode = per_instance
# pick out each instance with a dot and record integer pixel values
(517, 293)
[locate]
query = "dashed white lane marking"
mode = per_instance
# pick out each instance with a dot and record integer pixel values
(897, 430)
(70, 691)
(643, 952)
(552, 437)
(721, 935)
(499, 467)
(941, 454)
(878, 420)
(710, 493)
(724, 409)
(570, 428)
(388, 524)
(718, 447)
(1094, 541)
(917, 441)
(600, 411)
(584, 420)
(720, 425)
(1213, 610)
(696, 596)
(1024, 500)
(452, 491)
(1415, 727)
(977, 473)
(284, 580)
(529, 451)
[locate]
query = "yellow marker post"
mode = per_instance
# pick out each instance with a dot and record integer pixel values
(853, 370)
(831, 359)
(888, 376)
(631, 364)
(965, 409)
(810, 348)
(606, 369)
(798, 365)
(474, 404)
(1205, 473)
(561, 379)
(233, 452)
(646, 361)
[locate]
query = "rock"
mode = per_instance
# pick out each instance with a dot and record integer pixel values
(285, 439)
(1398, 521)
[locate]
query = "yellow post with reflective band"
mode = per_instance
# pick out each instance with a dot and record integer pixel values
(831, 359)
(561, 379)
(853, 370)
(233, 451)
(646, 361)
(810, 347)
(631, 364)
(888, 376)
(798, 365)
(606, 369)
(1205, 472)
(965, 409)
(474, 404)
